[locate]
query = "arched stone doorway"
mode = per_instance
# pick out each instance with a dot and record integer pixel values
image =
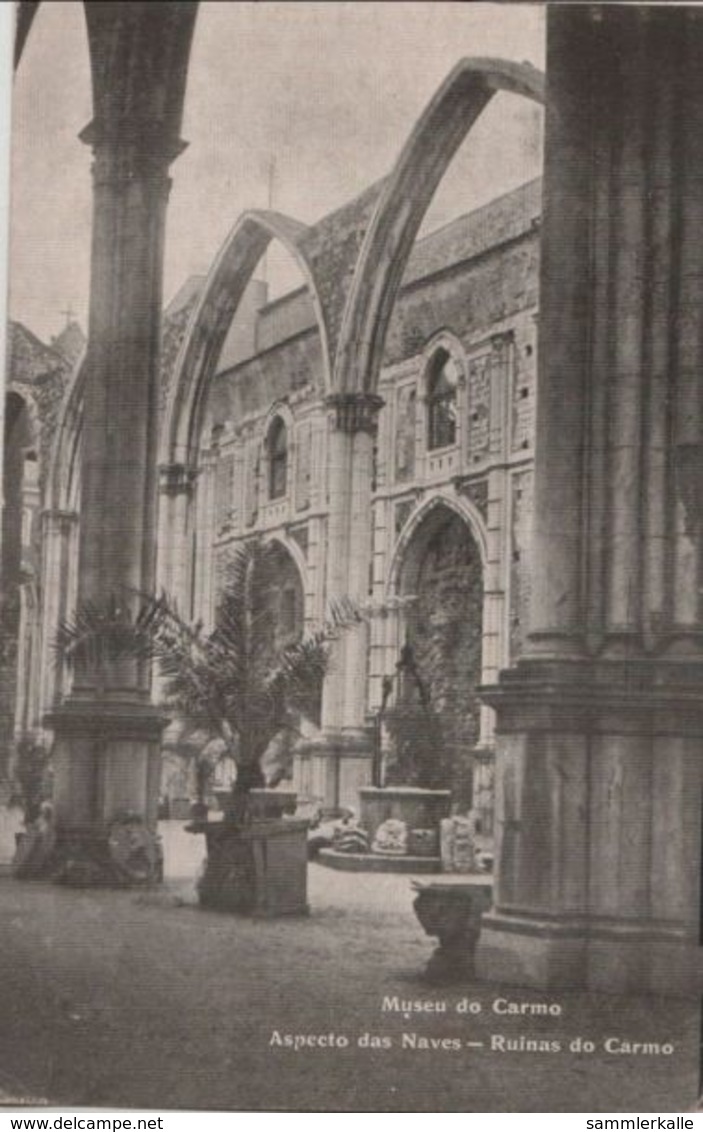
(285, 597)
(278, 609)
(441, 580)
(215, 469)
(281, 622)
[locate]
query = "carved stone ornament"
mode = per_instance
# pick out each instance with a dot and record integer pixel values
(177, 479)
(355, 412)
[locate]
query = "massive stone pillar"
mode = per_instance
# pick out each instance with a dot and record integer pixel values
(106, 732)
(600, 724)
(345, 747)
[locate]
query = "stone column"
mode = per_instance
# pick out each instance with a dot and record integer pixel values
(107, 732)
(201, 585)
(346, 743)
(600, 724)
(27, 685)
(174, 549)
(59, 539)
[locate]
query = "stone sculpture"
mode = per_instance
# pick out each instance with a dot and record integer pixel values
(391, 838)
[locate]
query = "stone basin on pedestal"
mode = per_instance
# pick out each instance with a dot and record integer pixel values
(418, 808)
(450, 909)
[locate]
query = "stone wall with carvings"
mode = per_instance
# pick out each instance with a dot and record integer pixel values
(472, 297)
(520, 520)
(484, 476)
(41, 374)
(38, 376)
(471, 290)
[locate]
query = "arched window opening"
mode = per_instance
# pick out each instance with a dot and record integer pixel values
(283, 599)
(277, 445)
(442, 381)
(18, 566)
(20, 479)
(30, 506)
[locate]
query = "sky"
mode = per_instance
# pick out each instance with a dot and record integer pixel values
(295, 105)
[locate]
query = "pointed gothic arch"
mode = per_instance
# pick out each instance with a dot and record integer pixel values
(463, 508)
(438, 572)
(120, 41)
(211, 319)
(60, 489)
(403, 202)
(60, 533)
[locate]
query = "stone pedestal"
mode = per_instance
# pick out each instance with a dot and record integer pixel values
(599, 728)
(259, 871)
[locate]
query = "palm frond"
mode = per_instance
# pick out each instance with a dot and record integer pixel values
(96, 635)
(342, 614)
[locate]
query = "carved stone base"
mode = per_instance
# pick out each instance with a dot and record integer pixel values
(106, 789)
(606, 957)
(126, 854)
(598, 819)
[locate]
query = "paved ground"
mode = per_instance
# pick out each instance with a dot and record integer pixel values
(142, 1000)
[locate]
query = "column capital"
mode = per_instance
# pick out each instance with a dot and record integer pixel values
(64, 519)
(355, 412)
(176, 479)
(130, 150)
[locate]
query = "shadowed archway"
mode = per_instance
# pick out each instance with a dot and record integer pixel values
(438, 573)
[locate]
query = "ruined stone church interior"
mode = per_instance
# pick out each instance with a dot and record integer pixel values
(485, 435)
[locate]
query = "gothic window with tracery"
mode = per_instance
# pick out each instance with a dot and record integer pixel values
(442, 382)
(277, 445)
(224, 493)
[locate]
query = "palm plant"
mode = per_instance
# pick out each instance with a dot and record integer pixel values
(236, 682)
(97, 636)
